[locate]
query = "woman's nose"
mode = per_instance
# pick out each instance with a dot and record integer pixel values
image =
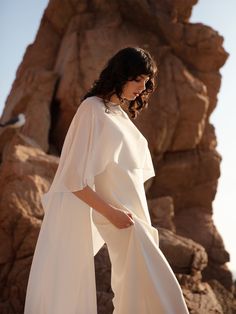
(142, 86)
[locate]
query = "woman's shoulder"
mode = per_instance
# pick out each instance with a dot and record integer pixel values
(94, 107)
(92, 103)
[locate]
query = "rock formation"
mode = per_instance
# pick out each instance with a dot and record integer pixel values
(74, 40)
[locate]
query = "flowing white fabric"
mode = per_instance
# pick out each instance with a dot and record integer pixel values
(107, 152)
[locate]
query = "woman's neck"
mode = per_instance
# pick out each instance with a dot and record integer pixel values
(115, 100)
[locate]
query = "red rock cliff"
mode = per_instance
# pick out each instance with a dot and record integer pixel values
(74, 40)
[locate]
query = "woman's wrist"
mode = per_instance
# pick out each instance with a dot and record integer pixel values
(107, 210)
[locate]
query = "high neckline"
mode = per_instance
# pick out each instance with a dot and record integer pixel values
(110, 102)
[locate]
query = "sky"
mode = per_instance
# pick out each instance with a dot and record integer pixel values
(19, 22)
(220, 15)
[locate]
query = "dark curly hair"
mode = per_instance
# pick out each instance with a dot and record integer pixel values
(126, 65)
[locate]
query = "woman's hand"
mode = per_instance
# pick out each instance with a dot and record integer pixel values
(120, 218)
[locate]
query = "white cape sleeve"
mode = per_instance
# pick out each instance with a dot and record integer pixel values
(62, 278)
(84, 153)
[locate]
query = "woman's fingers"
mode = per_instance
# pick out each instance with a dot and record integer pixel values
(130, 215)
(120, 218)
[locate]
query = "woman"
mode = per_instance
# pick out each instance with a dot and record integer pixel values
(98, 196)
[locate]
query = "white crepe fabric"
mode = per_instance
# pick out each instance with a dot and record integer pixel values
(106, 151)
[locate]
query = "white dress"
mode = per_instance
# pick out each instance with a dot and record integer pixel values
(107, 152)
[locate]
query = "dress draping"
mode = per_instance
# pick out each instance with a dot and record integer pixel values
(107, 152)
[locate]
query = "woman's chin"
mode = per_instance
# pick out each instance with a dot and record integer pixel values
(130, 97)
(133, 97)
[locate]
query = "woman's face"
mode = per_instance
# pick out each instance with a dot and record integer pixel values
(133, 88)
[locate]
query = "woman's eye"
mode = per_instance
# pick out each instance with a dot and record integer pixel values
(139, 80)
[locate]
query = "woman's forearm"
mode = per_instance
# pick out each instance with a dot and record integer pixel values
(117, 217)
(90, 197)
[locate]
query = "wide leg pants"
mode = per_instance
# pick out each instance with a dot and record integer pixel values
(141, 278)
